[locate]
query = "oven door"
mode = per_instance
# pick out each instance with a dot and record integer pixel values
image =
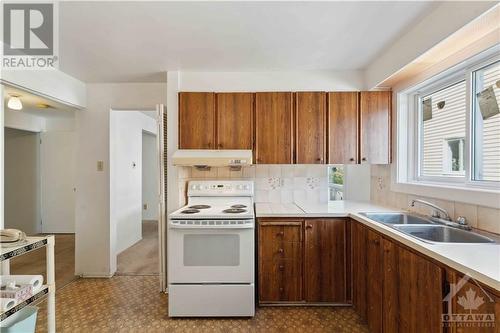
(210, 254)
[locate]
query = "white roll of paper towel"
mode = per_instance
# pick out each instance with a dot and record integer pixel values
(7, 304)
(35, 280)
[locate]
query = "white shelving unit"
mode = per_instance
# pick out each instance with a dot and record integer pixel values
(48, 289)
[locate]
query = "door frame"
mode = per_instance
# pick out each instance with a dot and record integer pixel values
(161, 150)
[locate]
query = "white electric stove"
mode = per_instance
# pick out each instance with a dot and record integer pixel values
(211, 254)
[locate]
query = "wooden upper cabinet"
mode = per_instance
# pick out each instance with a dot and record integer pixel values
(343, 121)
(234, 120)
(325, 261)
(375, 111)
(196, 120)
(273, 128)
(310, 122)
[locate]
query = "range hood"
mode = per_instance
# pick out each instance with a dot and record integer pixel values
(205, 158)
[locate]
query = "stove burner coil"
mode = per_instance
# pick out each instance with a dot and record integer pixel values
(234, 210)
(238, 206)
(190, 211)
(199, 207)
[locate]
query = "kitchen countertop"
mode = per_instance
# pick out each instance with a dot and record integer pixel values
(479, 261)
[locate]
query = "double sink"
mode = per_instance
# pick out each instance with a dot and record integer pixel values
(426, 230)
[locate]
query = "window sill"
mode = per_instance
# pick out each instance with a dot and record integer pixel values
(449, 192)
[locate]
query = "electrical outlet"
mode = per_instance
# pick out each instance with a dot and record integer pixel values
(145, 206)
(100, 165)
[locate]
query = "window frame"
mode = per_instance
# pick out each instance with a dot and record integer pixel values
(409, 129)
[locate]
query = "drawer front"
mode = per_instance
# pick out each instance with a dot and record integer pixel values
(278, 233)
(281, 280)
(281, 250)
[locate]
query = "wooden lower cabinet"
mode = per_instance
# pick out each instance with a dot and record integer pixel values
(325, 265)
(280, 260)
(399, 291)
(303, 261)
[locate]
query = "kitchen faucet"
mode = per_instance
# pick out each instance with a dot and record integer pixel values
(446, 220)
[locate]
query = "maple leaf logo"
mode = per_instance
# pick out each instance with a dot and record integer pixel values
(470, 301)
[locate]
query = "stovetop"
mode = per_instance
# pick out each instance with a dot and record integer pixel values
(225, 211)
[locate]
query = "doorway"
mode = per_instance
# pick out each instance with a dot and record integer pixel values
(39, 179)
(134, 184)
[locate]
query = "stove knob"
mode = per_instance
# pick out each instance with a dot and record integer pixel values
(246, 187)
(193, 187)
(239, 187)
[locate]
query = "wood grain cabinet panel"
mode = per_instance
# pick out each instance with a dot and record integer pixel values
(325, 261)
(343, 121)
(273, 128)
(235, 120)
(310, 121)
(280, 260)
(375, 118)
(196, 120)
(359, 282)
(374, 281)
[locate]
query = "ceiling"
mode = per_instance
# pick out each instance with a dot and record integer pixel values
(30, 101)
(139, 41)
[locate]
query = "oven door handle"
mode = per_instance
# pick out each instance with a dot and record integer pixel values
(213, 227)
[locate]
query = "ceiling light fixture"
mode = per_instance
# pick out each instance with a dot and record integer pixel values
(14, 103)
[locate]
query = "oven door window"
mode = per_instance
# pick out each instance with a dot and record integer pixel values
(211, 250)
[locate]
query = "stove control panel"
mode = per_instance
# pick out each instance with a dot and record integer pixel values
(217, 188)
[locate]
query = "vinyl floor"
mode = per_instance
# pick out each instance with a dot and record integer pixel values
(134, 304)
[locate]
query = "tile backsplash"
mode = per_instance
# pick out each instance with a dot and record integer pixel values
(273, 183)
(484, 218)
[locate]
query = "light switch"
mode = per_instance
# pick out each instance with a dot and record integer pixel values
(100, 165)
(145, 206)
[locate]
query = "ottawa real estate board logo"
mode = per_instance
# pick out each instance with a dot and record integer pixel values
(29, 35)
(469, 306)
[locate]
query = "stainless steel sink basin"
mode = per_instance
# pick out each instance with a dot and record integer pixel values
(442, 234)
(425, 229)
(396, 218)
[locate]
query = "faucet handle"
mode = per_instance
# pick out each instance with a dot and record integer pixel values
(462, 220)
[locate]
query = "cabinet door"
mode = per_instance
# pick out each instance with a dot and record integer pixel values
(374, 282)
(310, 118)
(325, 261)
(280, 261)
(343, 120)
(485, 302)
(358, 245)
(420, 293)
(273, 128)
(375, 127)
(196, 120)
(235, 120)
(390, 317)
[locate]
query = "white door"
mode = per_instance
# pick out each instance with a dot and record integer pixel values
(57, 173)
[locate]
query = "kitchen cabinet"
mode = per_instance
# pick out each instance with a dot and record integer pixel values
(375, 120)
(310, 122)
(303, 261)
(343, 122)
(325, 262)
(234, 120)
(196, 120)
(374, 282)
(400, 291)
(273, 128)
(280, 260)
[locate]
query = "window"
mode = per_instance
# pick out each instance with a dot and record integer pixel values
(442, 124)
(336, 182)
(449, 128)
(486, 123)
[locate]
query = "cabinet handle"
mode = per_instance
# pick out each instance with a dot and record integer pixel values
(220, 145)
(309, 226)
(281, 233)
(376, 241)
(319, 159)
(281, 250)
(281, 267)
(351, 159)
(281, 289)
(364, 159)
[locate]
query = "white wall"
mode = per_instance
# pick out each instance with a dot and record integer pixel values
(94, 244)
(22, 181)
(243, 81)
(126, 132)
(149, 177)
